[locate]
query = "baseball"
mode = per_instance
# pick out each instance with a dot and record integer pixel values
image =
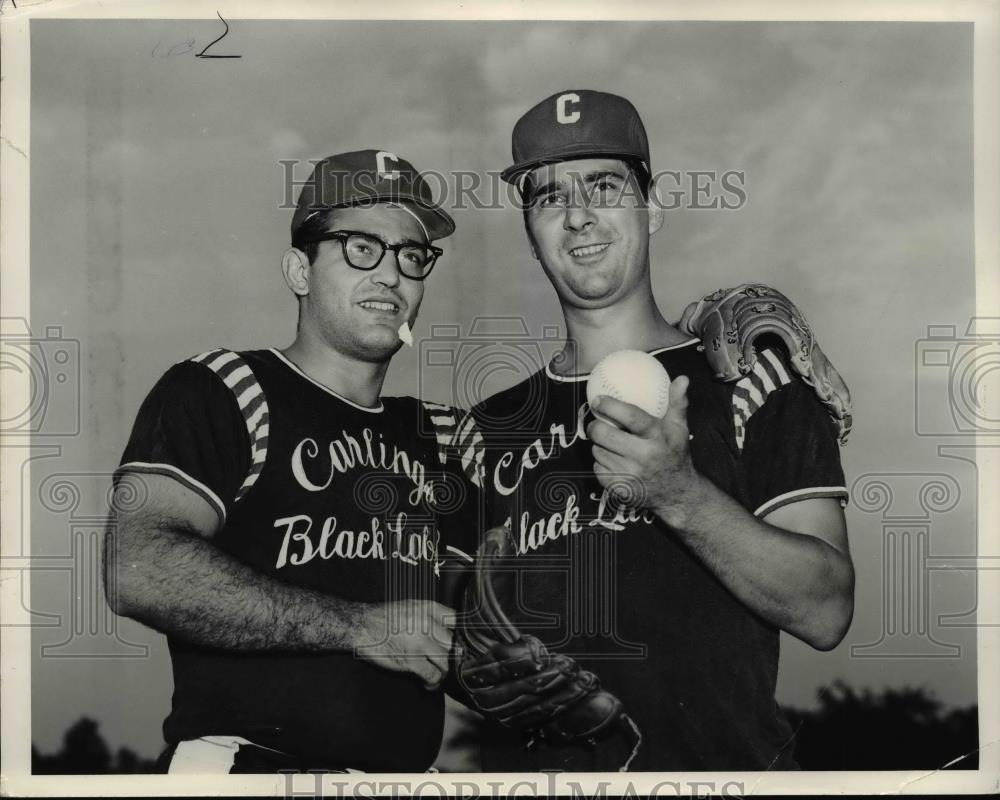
(633, 377)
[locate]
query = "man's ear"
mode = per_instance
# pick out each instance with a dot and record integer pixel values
(295, 268)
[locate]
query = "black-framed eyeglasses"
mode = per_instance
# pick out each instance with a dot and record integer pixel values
(365, 251)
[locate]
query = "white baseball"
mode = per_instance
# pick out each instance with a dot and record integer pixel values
(633, 377)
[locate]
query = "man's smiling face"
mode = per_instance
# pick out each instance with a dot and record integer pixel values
(357, 312)
(589, 227)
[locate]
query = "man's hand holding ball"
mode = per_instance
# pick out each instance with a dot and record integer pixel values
(640, 433)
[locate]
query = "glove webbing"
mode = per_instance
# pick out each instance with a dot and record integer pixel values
(491, 615)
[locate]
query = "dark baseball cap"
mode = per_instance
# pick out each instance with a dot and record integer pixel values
(364, 177)
(577, 124)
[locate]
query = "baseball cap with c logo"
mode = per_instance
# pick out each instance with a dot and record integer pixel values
(577, 124)
(370, 176)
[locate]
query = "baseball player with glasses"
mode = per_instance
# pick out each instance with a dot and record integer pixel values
(626, 610)
(297, 527)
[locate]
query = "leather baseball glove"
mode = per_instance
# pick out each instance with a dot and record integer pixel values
(514, 679)
(729, 323)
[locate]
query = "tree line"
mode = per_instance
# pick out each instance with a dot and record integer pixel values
(893, 729)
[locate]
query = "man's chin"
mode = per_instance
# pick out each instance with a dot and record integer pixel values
(592, 295)
(379, 346)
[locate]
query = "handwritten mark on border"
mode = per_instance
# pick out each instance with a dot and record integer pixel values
(205, 54)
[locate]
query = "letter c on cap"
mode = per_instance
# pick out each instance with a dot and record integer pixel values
(381, 157)
(563, 114)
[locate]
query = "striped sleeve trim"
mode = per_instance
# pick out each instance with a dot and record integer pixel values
(181, 477)
(751, 391)
(445, 422)
(801, 494)
(237, 375)
(458, 437)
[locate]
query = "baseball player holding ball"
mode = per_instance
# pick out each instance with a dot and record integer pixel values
(626, 610)
(296, 527)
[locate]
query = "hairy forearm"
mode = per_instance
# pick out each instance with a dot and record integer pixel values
(797, 582)
(180, 584)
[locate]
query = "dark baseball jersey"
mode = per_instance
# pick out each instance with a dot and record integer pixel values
(319, 492)
(613, 587)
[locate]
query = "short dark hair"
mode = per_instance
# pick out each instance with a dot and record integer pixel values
(314, 226)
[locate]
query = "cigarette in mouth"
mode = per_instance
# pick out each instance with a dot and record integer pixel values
(405, 335)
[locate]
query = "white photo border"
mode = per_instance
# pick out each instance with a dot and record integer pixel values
(15, 676)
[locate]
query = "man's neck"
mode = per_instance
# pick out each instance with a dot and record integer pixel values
(592, 333)
(356, 380)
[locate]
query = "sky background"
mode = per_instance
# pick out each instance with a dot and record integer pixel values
(157, 232)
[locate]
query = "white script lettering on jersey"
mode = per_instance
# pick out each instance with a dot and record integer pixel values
(347, 453)
(603, 511)
(610, 515)
(300, 545)
(536, 453)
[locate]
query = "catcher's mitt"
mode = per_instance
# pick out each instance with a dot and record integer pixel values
(729, 322)
(514, 679)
